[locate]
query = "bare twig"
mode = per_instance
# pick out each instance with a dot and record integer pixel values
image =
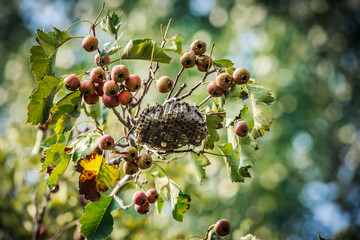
(39, 217)
(204, 101)
(125, 180)
(176, 80)
(64, 229)
(172, 159)
(215, 113)
(182, 87)
(120, 118)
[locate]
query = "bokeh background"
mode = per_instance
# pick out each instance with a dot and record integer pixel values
(306, 178)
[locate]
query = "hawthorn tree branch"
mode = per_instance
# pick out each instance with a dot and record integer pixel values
(215, 113)
(176, 80)
(39, 217)
(125, 180)
(204, 101)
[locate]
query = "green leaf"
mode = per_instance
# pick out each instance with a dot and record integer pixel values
(175, 44)
(68, 105)
(248, 147)
(232, 162)
(162, 185)
(47, 42)
(109, 52)
(223, 63)
(94, 111)
(53, 154)
(261, 99)
(213, 122)
(97, 222)
(111, 24)
(200, 162)
(181, 206)
(41, 100)
(61, 36)
(159, 204)
(175, 189)
(53, 139)
(141, 49)
(61, 124)
(59, 169)
(234, 102)
(40, 64)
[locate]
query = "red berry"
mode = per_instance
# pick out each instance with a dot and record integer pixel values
(72, 82)
(144, 209)
(130, 168)
(241, 129)
(87, 87)
(110, 101)
(133, 83)
(241, 75)
(222, 227)
(125, 97)
(99, 88)
(119, 73)
(91, 99)
(144, 161)
(97, 75)
(198, 47)
(224, 80)
(188, 60)
(90, 43)
(164, 84)
(106, 142)
(152, 195)
(111, 88)
(104, 60)
(203, 63)
(214, 90)
(140, 198)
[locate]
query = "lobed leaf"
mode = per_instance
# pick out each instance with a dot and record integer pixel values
(261, 98)
(61, 124)
(68, 105)
(232, 162)
(53, 139)
(59, 169)
(162, 185)
(41, 100)
(141, 49)
(111, 24)
(200, 162)
(97, 222)
(40, 64)
(181, 206)
(175, 44)
(234, 102)
(53, 154)
(213, 122)
(223, 63)
(94, 111)
(95, 176)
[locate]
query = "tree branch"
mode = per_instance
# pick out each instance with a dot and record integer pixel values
(120, 118)
(176, 80)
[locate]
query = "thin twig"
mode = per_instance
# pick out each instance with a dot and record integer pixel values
(176, 80)
(181, 88)
(120, 118)
(204, 101)
(64, 229)
(125, 180)
(172, 159)
(215, 113)
(39, 217)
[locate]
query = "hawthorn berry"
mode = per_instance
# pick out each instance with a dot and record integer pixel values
(104, 60)
(144, 209)
(106, 142)
(222, 227)
(119, 73)
(188, 60)
(90, 43)
(241, 129)
(125, 97)
(224, 80)
(152, 195)
(140, 198)
(133, 83)
(110, 101)
(214, 90)
(241, 75)
(203, 63)
(111, 88)
(144, 161)
(72, 82)
(99, 88)
(198, 47)
(91, 99)
(87, 87)
(97, 75)
(132, 154)
(130, 168)
(164, 84)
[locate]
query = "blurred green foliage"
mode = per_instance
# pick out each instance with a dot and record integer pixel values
(306, 179)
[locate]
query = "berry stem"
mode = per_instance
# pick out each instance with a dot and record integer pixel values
(204, 101)
(125, 180)
(176, 80)
(215, 113)
(121, 119)
(208, 232)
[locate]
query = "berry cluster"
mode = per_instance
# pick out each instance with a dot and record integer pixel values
(143, 200)
(115, 87)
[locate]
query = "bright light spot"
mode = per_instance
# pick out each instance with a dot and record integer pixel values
(65, 58)
(303, 142)
(204, 36)
(317, 36)
(3, 96)
(201, 7)
(263, 65)
(333, 112)
(257, 13)
(13, 69)
(316, 192)
(218, 17)
(287, 103)
(226, 189)
(284, 77)
(346, 133)
(331, 216)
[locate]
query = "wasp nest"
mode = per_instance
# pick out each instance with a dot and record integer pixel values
(171, 126)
